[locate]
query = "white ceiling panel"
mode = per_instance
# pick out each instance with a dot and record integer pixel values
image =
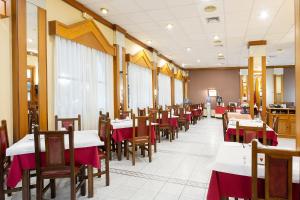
(240, 22)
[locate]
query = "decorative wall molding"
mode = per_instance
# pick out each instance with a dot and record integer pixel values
(141, 58)
(85, 32)
(166, 70)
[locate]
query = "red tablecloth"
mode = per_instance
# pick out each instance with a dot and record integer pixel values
(271, 135)
(122, 134)
(83, 156)
(220, 110)
(232, 185)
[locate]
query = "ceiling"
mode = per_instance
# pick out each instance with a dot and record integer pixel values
(240, 22)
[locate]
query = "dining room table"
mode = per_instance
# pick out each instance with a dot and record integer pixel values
(231, 173)
(238, 115)
(86, 145)
(271, 135)
(122, 130)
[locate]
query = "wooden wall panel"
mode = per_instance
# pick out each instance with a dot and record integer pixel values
(251, 86)
(19, 63)
(297, 71)
(264, 88)
(42, 58)
(116, 78)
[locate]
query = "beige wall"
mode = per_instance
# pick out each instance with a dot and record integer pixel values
(6, 108)
(62, 12)
(226, 82)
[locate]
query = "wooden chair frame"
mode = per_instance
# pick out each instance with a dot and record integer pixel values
(253, 129)
(127, 113)
(166, 128)
(72, 120)
(274, 154)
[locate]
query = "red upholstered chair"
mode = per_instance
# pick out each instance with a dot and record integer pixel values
(125, 114)
(141, 112)
(182, 121)
(104, 151)
(56, 165)
(141, 136)
(66, 122)
(278, 172)
(250, 133)
(164, 125)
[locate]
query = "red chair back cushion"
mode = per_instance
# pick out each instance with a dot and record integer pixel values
(278, 174)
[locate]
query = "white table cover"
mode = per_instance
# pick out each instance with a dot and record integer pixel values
(86, 138)
(246, 122)
(235, 158)
(125, 123)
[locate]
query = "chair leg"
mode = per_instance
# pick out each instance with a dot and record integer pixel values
(107, 171)
(155, 146)
(39, 188)
(128, 152)
(82, 178)
(72, 189)
(150, 151)
(2, 194)
(125, 148)
(52, 188)
(133, 154)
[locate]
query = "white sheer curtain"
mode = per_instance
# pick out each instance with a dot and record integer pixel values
(164, 86)
(178, 92)
(139, 86)
(83, 82)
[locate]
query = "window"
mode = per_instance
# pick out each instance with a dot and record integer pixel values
(178, 92)
(164, 86)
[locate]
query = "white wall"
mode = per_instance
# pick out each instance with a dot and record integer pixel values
(270, 87)
(6, 108)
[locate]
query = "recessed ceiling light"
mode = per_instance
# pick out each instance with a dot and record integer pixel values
(216, 38)
(188, 49)
(220, 54)
(149, 42)
(263, 14)
(183, 64)
(169, 26)
(29, 40)
(198, 61)
(104, 11)
(210, 8)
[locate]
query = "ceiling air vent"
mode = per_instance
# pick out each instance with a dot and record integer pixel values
(213, 20)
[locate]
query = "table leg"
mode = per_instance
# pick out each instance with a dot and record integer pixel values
(119, 147)
(26, 185)
(90, 182)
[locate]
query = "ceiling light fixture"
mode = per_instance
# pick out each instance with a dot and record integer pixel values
(149, 42)
(216, 38)
(188, 49)
(210, 8)
(279, 50)
(169, 26)
(220, 54)
(104, 11)
(198, 61)
(263, 15)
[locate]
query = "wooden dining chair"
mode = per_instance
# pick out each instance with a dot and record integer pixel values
(141, 112)
(225, 125)
(56, 166)
(33, 118)
(250, 133)
(153, 117)
(278, 166)
(275, 124)
(104, 129)
(126, 114)
(5, 162)
(182, 121)
(104, 116)
(66, 122)
(141, 137)
(164, 124)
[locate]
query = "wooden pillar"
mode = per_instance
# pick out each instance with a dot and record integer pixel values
(42, 59)
(125, 81)
(264, 88)
(172, 91)
(297, 71)
(251, 86)
(116, 78)
(19, 63)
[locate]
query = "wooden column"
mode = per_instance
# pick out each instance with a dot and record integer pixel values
(297, 71)
(19, 63)
(116, 72)
(172, 91)
(251, 86)
(264, 88)
(42, 59)
(125, 81)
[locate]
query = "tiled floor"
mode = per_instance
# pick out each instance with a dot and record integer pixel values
(179, 170)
